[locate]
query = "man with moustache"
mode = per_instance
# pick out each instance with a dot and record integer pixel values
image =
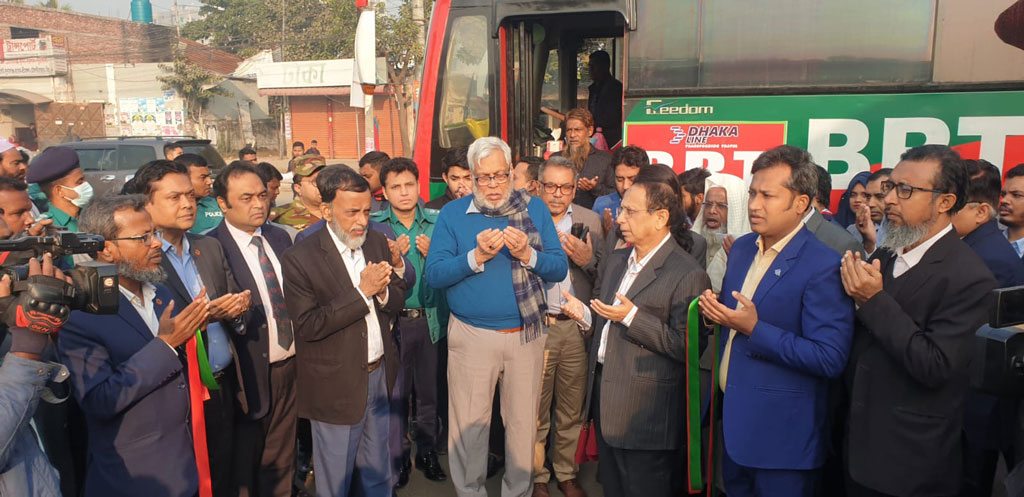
(693, 182)
(526, 173)
(12, 163)
(789, 326)
(127, 368)
(500, 243)
(194, 262)
(305, 208)
(16, 208)
(920, 299)
(593, 165)
(455, 173)
(343, 293)
(1011, 208)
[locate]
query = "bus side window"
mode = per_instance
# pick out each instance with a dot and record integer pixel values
(465, 94)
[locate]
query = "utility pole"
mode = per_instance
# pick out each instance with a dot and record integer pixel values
(282, 29)
(177, 20)
(419, 19)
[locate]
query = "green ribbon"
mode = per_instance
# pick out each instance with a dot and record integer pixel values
(693, 404)
(204, 363)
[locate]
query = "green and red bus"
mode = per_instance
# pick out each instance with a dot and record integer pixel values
(712, 83)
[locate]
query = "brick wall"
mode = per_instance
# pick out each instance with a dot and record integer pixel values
(92, 39)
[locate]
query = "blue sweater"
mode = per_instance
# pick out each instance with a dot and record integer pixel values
(486, 299)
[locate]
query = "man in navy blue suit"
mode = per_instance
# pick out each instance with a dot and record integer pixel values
(128, 369)
(266, 348)
(988, 420)
(789, 326)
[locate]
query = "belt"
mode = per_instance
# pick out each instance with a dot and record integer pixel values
(219, 375)
(510, 330)
(413, 313)
(371, 367)
(559, 317)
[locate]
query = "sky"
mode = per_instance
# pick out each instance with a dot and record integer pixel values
(121, 9)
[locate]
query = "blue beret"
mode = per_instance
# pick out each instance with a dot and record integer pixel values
(53, 163)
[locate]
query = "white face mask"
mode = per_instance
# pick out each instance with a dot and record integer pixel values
(84, 192)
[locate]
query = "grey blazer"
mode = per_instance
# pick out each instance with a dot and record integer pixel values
(583, 277)
(832, 235)
(643, 401)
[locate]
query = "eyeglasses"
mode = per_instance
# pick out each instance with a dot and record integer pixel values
(565, 189)
(903, 190)
(145, 238)
(494, 179)
(715, 205)
(628, 212)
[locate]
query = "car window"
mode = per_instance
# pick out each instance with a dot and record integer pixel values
(204, 149)
(97, 159)
(132, 157)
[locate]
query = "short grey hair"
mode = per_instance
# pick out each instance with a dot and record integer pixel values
(98, 217)
(484, 147)
(559, 161)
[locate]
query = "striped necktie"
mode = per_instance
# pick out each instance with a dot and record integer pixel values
(277, 306)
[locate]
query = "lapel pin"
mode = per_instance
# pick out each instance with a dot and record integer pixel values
(159, 302)
(196, 252)
(778, 272)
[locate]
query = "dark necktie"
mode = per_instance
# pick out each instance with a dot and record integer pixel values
(277, 307)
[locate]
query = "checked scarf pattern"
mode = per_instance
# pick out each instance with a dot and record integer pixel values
(529, 288)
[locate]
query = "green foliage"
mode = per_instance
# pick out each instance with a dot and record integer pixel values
(53, 4)
(314, 29)
(195, 85)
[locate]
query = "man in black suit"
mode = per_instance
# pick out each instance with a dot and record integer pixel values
(343, 294)
(635, 384)
(919, 302)
(193, 262)
(988, 420)
(266, 346)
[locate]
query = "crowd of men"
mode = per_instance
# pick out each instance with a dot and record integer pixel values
(360, 332)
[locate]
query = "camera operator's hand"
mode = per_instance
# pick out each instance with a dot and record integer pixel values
(177, 330)
(37, 312)
(38, 228)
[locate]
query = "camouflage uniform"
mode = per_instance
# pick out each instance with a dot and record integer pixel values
(296, 215)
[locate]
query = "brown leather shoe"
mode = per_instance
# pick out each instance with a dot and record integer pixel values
(540, 490)
(571, 488)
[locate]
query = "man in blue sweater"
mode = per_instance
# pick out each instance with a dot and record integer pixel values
(492, 252)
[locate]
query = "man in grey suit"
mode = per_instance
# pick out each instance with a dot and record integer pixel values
(565, 364)
(831, 234)
(635, 387)
(193, 262)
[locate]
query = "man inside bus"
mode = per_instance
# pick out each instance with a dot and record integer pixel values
(593, 165)
(868, 228)
(627, 162)
(525, 176)
(455, 173)
(605, 97)
(1011, 208)
(722, 219)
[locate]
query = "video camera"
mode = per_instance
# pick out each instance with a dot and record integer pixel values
(94, 289)
(998, 366)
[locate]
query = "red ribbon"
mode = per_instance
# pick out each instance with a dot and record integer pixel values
(197, 394)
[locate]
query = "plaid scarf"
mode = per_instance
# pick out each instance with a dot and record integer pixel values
(528, 286)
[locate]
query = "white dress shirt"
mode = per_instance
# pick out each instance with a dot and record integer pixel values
(252, 260)
(354, 264)
(632, 270)
(146, 308)
(905, 261)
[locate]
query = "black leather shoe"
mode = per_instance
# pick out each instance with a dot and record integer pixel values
(430, 466)
(403, 474)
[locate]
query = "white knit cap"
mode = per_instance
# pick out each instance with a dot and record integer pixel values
(5, 145)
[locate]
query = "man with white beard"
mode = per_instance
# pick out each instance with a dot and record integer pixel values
(492, 254)
(722, 219)
(342, 294)
(920, 300)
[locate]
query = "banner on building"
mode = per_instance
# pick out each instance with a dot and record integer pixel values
(154, 116)
(847, 134)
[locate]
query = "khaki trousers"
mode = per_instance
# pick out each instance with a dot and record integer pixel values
(478, 360)
(564, 382)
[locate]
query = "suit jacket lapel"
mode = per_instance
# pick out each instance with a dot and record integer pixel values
(204, 264)
(242, 274)
(130, 315)
(333, 259)
(780, 265)
(174, 282)
(649, 272)
(614, 278)
(918, 276)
